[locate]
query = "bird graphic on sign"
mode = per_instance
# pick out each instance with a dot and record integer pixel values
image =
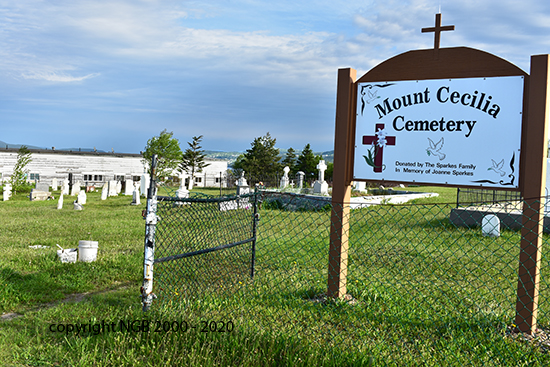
(435, 148)
(497, 167)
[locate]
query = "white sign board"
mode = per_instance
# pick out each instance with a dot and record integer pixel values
(463, 132)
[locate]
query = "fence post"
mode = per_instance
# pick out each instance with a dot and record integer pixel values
(341, 189)
(147, 294)
(254, 231)
(534, 148)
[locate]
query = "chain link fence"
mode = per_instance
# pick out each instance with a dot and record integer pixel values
(421, 290)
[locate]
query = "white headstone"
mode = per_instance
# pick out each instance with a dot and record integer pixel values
(65, 188)
(60, 202)
(490, 226)
(112, 188)
(360, 185)
(7, 192)
(104, 191)
(129, 187)
(284, 180)
(144, 184)
(81, 198)
(320, 188)
(76, 188)
(118, 187)
(322, 167)
(54, 184)
(242, 185)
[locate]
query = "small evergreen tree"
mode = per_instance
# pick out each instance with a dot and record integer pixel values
(307, 163)
(168, 151)
(262, 159)
(290, 161)
(18, 178)
(193, 159)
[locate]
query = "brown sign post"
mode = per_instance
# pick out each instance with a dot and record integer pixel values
(449, 63)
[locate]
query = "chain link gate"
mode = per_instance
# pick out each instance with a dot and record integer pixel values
(197, 242)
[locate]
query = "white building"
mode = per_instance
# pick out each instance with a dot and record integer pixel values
(95, 168)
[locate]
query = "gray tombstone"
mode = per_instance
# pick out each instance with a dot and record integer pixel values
(301, 176)
(54, 184)
(42, 186)
(135, 198)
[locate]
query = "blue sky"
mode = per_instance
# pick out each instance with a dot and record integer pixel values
(114, 73)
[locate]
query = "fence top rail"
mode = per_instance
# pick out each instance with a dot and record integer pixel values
(205, 199)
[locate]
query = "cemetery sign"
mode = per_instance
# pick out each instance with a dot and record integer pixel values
(461, 131)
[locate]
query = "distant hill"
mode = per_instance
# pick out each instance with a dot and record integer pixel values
(17, 146)
(230, 157)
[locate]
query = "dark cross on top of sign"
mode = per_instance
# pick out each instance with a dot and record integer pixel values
(437, 30)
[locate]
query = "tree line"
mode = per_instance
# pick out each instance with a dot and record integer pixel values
(263, 159)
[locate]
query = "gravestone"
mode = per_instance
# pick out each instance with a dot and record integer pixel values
(65, 187)
(301, 176)
(360, 186)
(144, 184)
(321, 186)
(284, 180)
(7, 192)
(38, 195)
(118, 187)
(129, 187)
(77, 206)
(75, 189)
(42, 186)
(112, 188)
(54, 184)
(60, 202)
(242, 185)
(81, 198)
(135, 198)
(104, 191)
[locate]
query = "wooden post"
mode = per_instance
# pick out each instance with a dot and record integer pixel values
(533, 183)
(341, 190)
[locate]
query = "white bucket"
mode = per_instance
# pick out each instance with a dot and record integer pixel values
(490, 226)
(87, 251)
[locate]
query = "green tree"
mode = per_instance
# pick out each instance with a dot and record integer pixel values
(193, 159)
(290, 161)
(262, 159)
(18, 178)
(307, 162)
(168, 151)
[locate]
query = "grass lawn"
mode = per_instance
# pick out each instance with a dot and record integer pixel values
(423, 292)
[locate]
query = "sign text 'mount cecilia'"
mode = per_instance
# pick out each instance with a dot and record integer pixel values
(463, 132)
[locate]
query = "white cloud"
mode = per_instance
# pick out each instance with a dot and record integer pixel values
(56, 77)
